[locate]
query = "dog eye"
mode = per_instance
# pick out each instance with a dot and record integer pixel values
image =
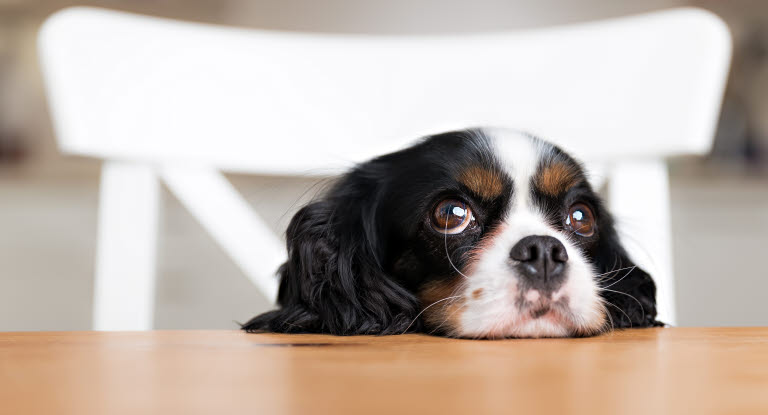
(580, 220)
(451, 216)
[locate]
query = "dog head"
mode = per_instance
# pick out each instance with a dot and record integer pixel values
(482, 233)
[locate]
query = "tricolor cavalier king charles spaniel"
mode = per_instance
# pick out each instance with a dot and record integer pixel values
(480, 233)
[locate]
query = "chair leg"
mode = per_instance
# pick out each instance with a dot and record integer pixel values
(639, 195)
(125, 259)
(232, 223)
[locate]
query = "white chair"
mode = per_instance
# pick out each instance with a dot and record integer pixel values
(181, 102)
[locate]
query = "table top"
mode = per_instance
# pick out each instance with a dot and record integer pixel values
(644, 371)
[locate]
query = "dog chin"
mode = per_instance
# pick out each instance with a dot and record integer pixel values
(539, 319)
(549, 325)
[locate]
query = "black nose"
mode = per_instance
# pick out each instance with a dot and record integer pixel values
(541, 261)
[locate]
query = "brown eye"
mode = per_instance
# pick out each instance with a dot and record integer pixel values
(451, 216)
(581, 220)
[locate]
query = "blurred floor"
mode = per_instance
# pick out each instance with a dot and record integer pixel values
(48, 225)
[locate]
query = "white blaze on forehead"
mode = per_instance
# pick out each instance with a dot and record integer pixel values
(519, 156)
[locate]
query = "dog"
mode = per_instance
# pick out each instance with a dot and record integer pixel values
(477, 233)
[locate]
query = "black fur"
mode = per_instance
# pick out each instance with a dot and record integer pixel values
(358, 255)
(333, 281)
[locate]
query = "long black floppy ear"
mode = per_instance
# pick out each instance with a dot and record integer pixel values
(333, 281)
(629, 291)
(631, 294)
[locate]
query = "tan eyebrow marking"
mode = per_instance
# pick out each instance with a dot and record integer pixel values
(556, 178)
(485, 182)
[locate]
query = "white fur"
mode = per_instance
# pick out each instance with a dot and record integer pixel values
(495, 313)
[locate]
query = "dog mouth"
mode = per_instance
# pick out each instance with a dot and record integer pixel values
(543, 318)
(540, 311)
(534, 304)
(523, 311)
(547, 314)
(556, 314)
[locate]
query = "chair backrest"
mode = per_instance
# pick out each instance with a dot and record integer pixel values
(123, 86)
(162, 98)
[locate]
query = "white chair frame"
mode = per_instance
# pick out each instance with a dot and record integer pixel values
(182, 102)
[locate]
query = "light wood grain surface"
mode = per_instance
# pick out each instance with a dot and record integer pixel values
(648, 371)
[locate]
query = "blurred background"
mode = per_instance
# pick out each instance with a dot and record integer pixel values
(48, 203)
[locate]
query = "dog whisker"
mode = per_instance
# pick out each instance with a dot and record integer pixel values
(630, 296)
(447, 318)
(622, 311)
(614, 271)
(425, 309)
(448, 255)
(632, 268)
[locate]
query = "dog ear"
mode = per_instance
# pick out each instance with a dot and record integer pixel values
(629, 291)
(333, 281)
(631, 296)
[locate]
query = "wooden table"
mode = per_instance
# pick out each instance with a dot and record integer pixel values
(647, 371)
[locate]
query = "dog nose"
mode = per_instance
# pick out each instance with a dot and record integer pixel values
(541, 260)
